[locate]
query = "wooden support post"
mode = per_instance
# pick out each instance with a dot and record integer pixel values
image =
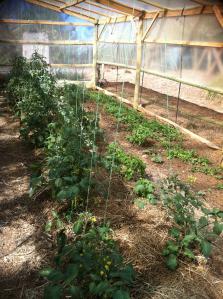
(138, 64)
(95, 56)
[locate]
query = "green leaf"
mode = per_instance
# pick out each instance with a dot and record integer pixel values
(71, 273)
(206, 248)
(46, 272)
(77, 227)
(139, 189)
(62, 194)
(188, 239)
(120, 294)
(76, 292)
(53, 292)
(203, 221)
(218, 228)
(172, 247)
(48, 226)
(171, 262)
(175, 232)
(189, 253)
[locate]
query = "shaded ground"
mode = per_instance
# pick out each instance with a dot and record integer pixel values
(202, 121)
(23, 246)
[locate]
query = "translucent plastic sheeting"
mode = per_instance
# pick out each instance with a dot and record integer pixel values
(190, 28)
(119, 31)
(196, 65)
(54, 54)
(20, 9)
(117, 53)
(176, 4)
(74, 74)
(54, 32)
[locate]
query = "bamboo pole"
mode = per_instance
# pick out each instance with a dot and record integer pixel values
(44, 22)
(138, 64)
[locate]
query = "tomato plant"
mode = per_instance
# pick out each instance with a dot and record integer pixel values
(88, 265)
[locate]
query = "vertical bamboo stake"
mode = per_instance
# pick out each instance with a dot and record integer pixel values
(95, 56)
(138, 64)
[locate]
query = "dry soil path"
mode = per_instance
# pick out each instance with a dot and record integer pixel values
(23, 245)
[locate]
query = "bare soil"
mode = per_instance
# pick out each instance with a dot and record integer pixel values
(24, 246)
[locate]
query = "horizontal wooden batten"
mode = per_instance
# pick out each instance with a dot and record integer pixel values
(55, 65)
(44, 22)
(187, 43)
(117, 42)
(35, 42)
(163, 76)
(60, 65)
(117, 64)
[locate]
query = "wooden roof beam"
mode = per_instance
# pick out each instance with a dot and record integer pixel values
(120, 7)
(66, 11)
(103, 7)
(218, 14)
(157, 5)
(71, 4)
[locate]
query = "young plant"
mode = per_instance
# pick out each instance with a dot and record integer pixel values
(127, 165)
(190, 233)
(145, 191)
(88, 265)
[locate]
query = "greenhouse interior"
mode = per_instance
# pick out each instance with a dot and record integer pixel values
(111, 149)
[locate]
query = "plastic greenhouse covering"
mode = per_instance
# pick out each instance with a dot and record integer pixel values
(61, 54)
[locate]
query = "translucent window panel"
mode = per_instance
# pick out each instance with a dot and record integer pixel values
(175, 4)
(196, 65)
(74, 54)
(54, 32)
(190, 28)
(8, 53)
(20, 9)
(117, 53)
(103, 10)
(74, 74)
(139, 5)
(162, 59)
(119, 31)
(203, 66)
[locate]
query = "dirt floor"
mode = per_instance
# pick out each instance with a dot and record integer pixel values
(200, 120)
(25, 248)
(23, 244)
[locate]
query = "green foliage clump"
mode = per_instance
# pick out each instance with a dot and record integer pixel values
(31, 90)
(70, 149)
(146, 192)
(89, 265)
(127, 165)
(194, 228)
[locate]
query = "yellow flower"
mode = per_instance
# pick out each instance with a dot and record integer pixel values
(102, 273)
(93, 219)
(109, 263)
